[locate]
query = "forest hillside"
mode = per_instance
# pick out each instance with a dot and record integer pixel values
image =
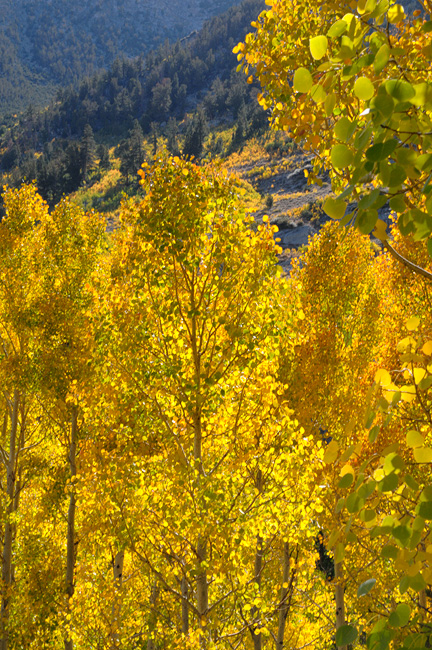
(51, 44)
(199, 451)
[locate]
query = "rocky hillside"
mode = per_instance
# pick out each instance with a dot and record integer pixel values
(45, 44)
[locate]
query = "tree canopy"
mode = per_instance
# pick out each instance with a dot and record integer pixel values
(351, 81)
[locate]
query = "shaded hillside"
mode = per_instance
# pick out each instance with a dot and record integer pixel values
(45, 44)
(156, 91)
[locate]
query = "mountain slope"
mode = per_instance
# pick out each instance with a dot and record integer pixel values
(45, 44)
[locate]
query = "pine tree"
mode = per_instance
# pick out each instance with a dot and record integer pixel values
(132, 151)
(171, 133)
(88, 151)
(195, 134)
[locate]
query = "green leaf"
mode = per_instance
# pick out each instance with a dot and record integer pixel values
(400, 89)
(373, 433)
(354, 503)
(364, 89)
(389, 552)
(393, 462)
(426, 494)
(417, 582)
(384, 104)
(403, 584)
(366, 6)
(411, 482)
(418, 524)
(344, 129)
(402, 534)
(341, 156)
(423, 455)
(365, 491)
(318, 93)
(397, 175)
(416, 537)
(318, 46)
(346, 481)
(303, 81)
(414, 439)
(400, 616)
(381, 58)
(423, 94)
(424, 162)
(389, 483)
(345, 635)
(337, 29)
(366, 587)
(329, 104)
(425, 510)
(367, 515)
(334, 208)
(395, 14)
(366, 220)
(397, 203)
(381, 150)
(368, 200)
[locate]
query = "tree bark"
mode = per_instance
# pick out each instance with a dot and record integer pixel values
(70, 544)
(185, 608)
(151, 642)
(118, 563)
(257, 638)
(339, 598)
(406, 262)
(202, 588)
(284, 597)
(9, 526)
(255, 612)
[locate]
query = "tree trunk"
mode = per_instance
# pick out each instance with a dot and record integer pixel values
(339, 598)
(202, 588)
(202, 596)
(118, 563)
(284, 598)
(9, 527)
(151, 642)
(185, 608)
(257, 638)
(255, 612)
(70, 544)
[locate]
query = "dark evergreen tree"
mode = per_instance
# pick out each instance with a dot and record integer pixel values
(88, 151)
(242, 126)
(171, 133)
(195, 134)
(131, 152)
(154, 134)
(161, 100)
(73, 168)
(103, 155)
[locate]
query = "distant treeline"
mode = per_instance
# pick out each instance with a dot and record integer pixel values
(196, 75)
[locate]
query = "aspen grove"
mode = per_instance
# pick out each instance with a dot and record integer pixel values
(198, 452)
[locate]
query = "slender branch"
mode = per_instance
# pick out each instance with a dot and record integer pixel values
(410, 265)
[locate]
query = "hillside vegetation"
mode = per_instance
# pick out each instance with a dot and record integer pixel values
(174, 91)
(46, 45)
(199, 451)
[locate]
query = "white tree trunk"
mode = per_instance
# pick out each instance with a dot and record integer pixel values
(185, 607)
(70, 543)
(12, 502)
(118, 563)
(284, 597)
(339, 598)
